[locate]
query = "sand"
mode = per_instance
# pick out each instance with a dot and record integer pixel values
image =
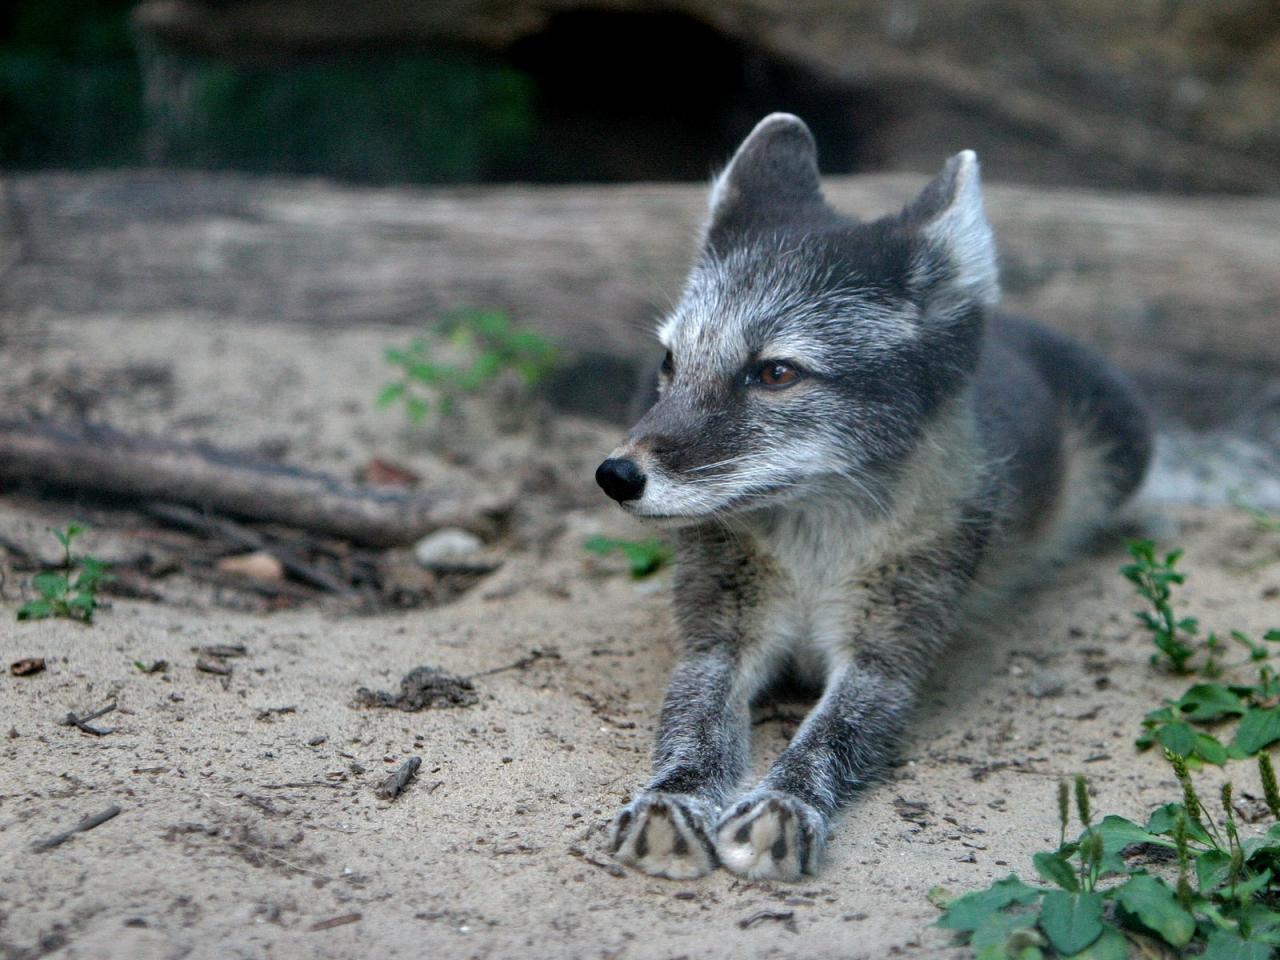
(250, 823)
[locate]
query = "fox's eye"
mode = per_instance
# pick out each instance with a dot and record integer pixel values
(668, 365)
(776, 373)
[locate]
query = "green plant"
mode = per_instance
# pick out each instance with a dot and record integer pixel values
(1182, 726)
(71, 593)
(489, 346)
(1223, 903)
(1101, 896)
(645, 556)
(1153, 579)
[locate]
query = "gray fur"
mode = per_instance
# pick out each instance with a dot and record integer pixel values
(838, 530)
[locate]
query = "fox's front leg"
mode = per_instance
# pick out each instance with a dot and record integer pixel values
(779, 829)
(668, 828)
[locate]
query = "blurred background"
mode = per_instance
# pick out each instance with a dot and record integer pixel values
(212, 172)
(1167, 95)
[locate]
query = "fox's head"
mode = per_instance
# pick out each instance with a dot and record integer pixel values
(806, 346)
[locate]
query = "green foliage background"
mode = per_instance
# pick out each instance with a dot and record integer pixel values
(73, 95)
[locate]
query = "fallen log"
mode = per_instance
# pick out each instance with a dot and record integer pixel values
(100, 458)
(1156, 282)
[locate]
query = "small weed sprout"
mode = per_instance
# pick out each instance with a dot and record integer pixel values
(1153, 577)
(1182, 727)
(645, 556)
(71, 593)
(490, 346)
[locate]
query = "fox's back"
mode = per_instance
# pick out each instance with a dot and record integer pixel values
(1067, 439)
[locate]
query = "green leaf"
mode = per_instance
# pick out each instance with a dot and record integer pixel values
(50, 585)
(1245, 891)
(1178, 737)
(971, 910)
(1227, 945)
(1071, 921)
(486, 366)
(1112, 945)
(1258, 728)
(92, 572)
(1119, 833)
(85, 603)
(600, 545)
(1209, 701)
(1257, 651)
(1268, 843)
(644, 556)
(1153, 903)
(1210, 750)
(999, 928)
(1165, 821)
(416, 407)
(1054, 868)
(1234, 752)
(427, 373)
(1261, 921)
(1213, 869)
(390, 394)
(73, 530)
(35, 610)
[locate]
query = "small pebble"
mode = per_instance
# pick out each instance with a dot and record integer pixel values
(449, 545)
(1046, 685)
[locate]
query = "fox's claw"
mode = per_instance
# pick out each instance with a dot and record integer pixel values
(666, 835)
(771, 836)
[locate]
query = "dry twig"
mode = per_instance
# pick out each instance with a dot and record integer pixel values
(394, 785)
(88, 823)
(82, 723)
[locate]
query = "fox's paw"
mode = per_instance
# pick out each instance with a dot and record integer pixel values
(666, 835)
(771, 836)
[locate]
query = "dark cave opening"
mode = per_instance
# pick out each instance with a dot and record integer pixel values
(624, 96)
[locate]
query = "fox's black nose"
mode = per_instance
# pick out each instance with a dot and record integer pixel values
(620, 479)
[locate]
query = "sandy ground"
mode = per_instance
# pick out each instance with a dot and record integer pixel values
(250, 826)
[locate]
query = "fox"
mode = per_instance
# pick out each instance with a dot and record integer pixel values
(856, 453)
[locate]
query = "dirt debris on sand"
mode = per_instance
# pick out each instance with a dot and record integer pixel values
(252, 824)
(422, 688)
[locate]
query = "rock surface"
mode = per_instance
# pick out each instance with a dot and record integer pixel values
(1146, 93)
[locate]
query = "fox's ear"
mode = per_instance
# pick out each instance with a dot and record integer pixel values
(960, 249)
(775, 168)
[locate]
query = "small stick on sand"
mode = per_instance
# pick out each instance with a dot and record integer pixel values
(88, 823)
(82, 723)
(785, 917)
(522, 664)
(395, 784)
(332, 922)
